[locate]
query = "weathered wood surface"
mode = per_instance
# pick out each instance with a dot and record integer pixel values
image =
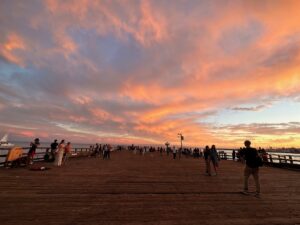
(133, 189)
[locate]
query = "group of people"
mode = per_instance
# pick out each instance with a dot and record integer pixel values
(99, 150)
(59, 152)
(211, 157)
(248, 155)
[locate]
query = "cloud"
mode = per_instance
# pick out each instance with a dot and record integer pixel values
(142, 71)
(254, 108)
(9, 49)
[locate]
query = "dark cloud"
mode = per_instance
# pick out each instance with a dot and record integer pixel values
(287, 54)
(254, 108)
(291, 128)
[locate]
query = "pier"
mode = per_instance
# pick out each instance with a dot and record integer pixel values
(145, 189)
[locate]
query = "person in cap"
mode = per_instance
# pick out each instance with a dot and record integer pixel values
(252, 168)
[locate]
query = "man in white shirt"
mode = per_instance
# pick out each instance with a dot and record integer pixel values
(174, 152)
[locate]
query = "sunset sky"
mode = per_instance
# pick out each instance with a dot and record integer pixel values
(142, 71)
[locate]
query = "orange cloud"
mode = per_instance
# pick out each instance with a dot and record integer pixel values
(147, 70)
(9, 48)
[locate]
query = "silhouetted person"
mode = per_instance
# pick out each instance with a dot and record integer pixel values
(174, 152)
(207, 159)
(233, 155)
(53, 147)
(32, 150)
(214, 158)
(161, 151)
(67, 152)
(47, 156)
(60, 153)
(251, 168)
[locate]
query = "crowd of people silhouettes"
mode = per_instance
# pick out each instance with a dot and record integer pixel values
(60, 152)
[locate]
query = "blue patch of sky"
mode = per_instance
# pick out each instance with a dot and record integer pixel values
(7, 70)
(283, 111)
(108, 50)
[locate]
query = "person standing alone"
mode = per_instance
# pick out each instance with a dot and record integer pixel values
(252, 168)
(174, 152)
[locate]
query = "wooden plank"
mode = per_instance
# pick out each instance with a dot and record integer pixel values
(150, 189)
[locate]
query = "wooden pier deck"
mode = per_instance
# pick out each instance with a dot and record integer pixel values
(133, 189)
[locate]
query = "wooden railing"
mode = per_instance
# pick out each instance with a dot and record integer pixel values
(40, 153)
(270, 159)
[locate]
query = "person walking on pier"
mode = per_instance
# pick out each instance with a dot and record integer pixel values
(161, 151)
(106, 151)
(207, 159)
(109, 148)
(174, 152)
(179, 153)
(252, 168)
(60, 153)
(168, 150)
(214, 158)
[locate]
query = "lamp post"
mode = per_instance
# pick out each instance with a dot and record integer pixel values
(167, 144)
(181, 139)
(167, 147)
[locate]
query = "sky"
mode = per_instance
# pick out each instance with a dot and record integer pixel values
(139, 71)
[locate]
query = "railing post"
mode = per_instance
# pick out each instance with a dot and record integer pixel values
(279, 158)
(285, 160)
(291, 159)
(270, 158)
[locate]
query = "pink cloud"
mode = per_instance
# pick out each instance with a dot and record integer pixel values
(145, 70)
(11, 46)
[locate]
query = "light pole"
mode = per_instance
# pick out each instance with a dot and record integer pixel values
(167, 147)
(181, 139)
(167, 144)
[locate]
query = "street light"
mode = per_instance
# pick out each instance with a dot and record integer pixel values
(167, 144)
(181, 139)
(167, 147)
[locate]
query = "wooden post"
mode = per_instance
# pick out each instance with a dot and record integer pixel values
(291, 159)
(285, 161)
(279, 158)
(270, 158)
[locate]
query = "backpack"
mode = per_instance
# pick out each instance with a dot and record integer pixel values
(259, 161)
